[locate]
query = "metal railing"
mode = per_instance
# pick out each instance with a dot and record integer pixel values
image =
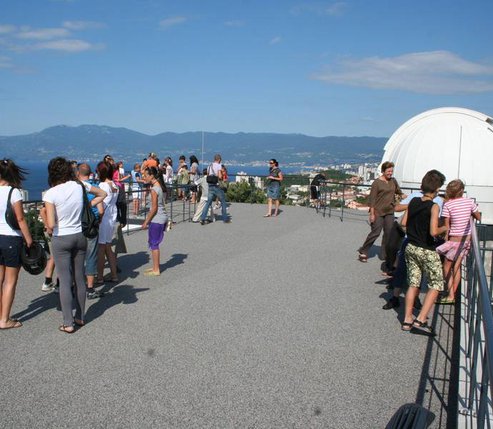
(476, 395)
(335, 195)
(179, 205)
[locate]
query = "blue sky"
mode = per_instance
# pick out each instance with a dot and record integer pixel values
(353, 68)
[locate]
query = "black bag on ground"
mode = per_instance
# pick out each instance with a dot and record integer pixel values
(89, 222)
(10, 215)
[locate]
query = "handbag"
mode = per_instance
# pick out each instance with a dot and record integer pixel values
(211, 179)
(10, 215)
(88, 220)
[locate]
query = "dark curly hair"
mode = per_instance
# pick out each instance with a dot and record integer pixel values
(60, 171)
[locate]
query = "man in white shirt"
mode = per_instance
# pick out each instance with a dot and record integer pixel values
(214, 175)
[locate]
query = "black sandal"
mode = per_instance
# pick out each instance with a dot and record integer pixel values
(423, 327)
(407, 326)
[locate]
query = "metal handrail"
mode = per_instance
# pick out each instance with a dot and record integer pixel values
(478, 316)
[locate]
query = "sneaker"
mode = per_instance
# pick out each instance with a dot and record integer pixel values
(48, 287)
(93, 294)
(205, 222)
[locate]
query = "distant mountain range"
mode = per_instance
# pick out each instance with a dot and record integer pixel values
(92, 142)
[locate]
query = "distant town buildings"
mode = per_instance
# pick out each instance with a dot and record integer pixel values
(353, 194)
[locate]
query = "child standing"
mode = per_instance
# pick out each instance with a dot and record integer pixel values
(421, 220)
(136, 188)
(157, 218)
(457, 212)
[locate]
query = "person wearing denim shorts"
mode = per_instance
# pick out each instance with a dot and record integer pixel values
(11, 177)
(91, 263)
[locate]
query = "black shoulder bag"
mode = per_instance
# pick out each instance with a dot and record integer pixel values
(88, 220)
(10, 215)
(211, 179)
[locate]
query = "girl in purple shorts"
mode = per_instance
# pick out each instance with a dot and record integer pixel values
(157, 218)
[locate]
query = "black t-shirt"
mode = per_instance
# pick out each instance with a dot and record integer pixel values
(418, 223)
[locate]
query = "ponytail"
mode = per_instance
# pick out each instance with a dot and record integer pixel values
(12, 173)
(158, 175)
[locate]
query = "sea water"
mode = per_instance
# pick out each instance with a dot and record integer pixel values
(37, 178)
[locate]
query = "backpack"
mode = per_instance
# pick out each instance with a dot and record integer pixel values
(88, 220)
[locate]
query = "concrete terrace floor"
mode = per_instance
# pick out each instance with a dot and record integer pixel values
(262, 323)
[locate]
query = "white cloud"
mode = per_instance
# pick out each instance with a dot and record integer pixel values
(5, 63)
(25, 39)
(7, 28)
(234, 23)
(336, 9)
(275, 40)
(320, 8)
(42, 33)
(172, 21)
(66, 45)
(82, 25)
(437, 72)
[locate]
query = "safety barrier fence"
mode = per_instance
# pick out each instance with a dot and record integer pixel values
(476, 365)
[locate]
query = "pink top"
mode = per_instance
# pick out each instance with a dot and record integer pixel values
(116, 178)
(459, 210)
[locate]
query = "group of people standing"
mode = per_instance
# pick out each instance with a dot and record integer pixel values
(79, 261)
(428, 242)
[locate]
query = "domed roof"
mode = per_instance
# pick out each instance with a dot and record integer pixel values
(458, 142)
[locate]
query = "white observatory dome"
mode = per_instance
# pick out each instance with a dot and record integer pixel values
(458, 142)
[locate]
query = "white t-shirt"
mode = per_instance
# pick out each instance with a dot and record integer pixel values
(68, 201)
(5, 229)
(214, 168)
(169, 174)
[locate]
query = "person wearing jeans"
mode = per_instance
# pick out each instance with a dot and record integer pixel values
(215, 191)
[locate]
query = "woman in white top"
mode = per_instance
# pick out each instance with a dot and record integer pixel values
(11, 176)
(64, 202)
(107, 226)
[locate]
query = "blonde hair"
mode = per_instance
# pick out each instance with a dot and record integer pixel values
(455, 189)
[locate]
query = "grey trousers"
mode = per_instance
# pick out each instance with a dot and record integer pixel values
(381, 222)
(69, 252)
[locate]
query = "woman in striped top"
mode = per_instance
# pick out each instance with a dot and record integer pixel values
(457, 212)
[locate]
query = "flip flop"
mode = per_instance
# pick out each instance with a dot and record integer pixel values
(151, 274)
(79, 323)
(14, 324)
